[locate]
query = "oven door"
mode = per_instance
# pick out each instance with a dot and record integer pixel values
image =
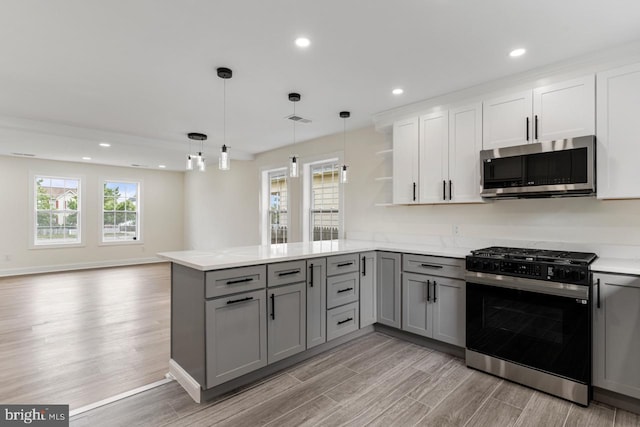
(548, 331)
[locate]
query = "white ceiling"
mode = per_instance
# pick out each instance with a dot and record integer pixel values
(141, 74)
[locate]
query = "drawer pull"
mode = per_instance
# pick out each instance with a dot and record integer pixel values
(273, 306)
(289, 273)
(234, 301)
(345, 321)
(344, 264)
(246, 279)
(344, 290)
(430, 266)
(311, 275)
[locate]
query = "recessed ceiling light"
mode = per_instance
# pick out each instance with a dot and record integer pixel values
(303, 42)
(517, 52)
(397, 91)
(86, 158)
(162, 166)
(105, 144)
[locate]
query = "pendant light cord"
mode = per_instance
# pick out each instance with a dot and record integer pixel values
(224, 113)
(294, 125)
(344, 140)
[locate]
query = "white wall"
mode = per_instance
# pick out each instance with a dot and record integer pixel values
(162, 216)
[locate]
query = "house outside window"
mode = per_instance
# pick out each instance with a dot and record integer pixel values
(57, 211)
(120, 212)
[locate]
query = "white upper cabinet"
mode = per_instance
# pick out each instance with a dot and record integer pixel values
(507, 120)
(434, 156)
(465, 143)
(618, 148)
(405, 161)
(564, 110)
(561, 110)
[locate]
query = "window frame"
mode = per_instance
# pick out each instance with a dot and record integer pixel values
(308, 194)
(265, 223)
(139, 210)
(33, 209)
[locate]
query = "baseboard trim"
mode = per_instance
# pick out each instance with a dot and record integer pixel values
(187, 382)
(79, 266)
(618, 400)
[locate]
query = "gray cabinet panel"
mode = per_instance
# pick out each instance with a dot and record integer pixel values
(416, 308)
(236, 336)
(616, 334)
(433, 265)
(449, 296)
(316, 302)
(235, 280)
(342, 320)
(342, 289)
(340, 264)
(284, 273)
(368, 288)
(388, 290)
(286, 321)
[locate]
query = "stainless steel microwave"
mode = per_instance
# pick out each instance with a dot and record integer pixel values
(565, 167)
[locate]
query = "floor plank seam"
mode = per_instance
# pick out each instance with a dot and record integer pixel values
(484, 402)
(525, 408)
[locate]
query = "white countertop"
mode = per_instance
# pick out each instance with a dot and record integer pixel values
(252, 255)
(617, 265)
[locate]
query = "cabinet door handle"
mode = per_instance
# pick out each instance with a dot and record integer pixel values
(273, 306)
(444, 190)
(428, 290)
(431, 266)
(289, 273)
(345, 321)
(344, 264)
(435, 285)
(536, 128)
(246, 279)
(450, 190)
(414, 191)
(311, 275)
(344, 290)
(364, 266)
(234, 301)
(598, 296)
(527, 127)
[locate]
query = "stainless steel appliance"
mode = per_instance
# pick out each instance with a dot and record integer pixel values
(565, 167)
(528, 317)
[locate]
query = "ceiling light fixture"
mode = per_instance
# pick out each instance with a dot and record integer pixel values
(105, 144)
(162, 166)
(303, 42)
(517, 52)
(343, 171)
(200, 162)
(223, 162)
(294, 170)
(86, 158)
(397, 91)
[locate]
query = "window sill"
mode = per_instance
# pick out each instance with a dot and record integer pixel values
(121, 243)
(57, 245)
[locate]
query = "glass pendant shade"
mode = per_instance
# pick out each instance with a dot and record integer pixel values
(224, 162)
(202, 166)
(344, 178)
(294, 172)
(189, 163)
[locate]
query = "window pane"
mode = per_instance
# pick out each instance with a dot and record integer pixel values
(120, 220)
(325, 202)
(57, 205)
(278, 207)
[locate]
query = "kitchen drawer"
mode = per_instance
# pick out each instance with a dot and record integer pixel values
(234, 280)
(342, 264)
(342, 289)
(284, 273)
(434, 265)
(342, 320)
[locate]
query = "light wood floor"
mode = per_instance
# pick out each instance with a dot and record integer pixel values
(375, 380)
(79, 337)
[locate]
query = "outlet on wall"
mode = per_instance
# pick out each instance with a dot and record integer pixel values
(455, 229)
(7, 258)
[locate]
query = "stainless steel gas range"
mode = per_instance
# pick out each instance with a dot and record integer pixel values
(529, 318)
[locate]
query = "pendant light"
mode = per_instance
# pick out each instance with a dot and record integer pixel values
(199, 158)
(224, 162)
(343, 170)
(294, 169)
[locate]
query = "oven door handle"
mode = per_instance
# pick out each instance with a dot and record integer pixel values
(532, 285)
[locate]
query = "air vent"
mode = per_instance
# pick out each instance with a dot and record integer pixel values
(135, 165)
(298, 119)
(23, 154)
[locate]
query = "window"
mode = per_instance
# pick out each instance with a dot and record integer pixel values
(57, 209)
(278, 207)
(120, 211)
(324, 213)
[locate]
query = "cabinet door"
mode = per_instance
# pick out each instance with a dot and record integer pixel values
(465, 143)
(617, 139)
(236, 336)
(616, 334)
(507, 120)
(316, 302)
(405, 161)
(564, 110)
(416, 304)
(367, 289)
(287, 321)
(434, 157)
(388, 298)
(449, 310)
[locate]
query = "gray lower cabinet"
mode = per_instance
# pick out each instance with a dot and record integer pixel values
(616, 333)
(286, 323)
(236, 336)
(434, 307)
(316, 302)
(368, 283)
(342, 320)
(388, 289)
(342, 289)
